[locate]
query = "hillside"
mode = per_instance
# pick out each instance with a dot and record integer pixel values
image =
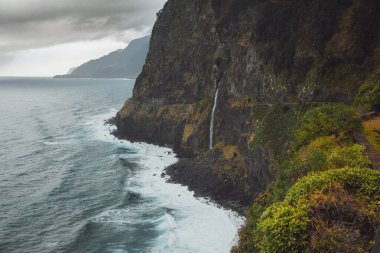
(245, 91)
(123, 63)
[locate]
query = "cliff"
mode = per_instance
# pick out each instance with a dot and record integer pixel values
(123, 63)
(256, 54)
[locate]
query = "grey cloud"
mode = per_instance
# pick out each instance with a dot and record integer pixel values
(30, 24)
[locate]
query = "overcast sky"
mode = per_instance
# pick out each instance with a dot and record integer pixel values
(48, 37)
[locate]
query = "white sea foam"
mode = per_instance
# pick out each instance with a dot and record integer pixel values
(52, 143)
(64, 140)
(192, 224)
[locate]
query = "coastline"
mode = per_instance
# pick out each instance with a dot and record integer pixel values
(166, 180)
(195, 174)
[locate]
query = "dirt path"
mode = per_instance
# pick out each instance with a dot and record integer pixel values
(372, 153)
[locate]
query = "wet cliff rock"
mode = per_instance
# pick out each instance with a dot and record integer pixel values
(257, 53)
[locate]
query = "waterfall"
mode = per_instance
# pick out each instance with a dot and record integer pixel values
(213, 118)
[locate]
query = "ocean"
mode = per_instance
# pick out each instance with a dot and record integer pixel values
(67, 185)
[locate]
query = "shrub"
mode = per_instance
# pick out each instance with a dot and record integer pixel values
(320, 141)
(330, 199)
(328, 153)
(315, 156)
(288, 172)
(275, 128)
(365, 182)
(349, 156)
(283, 229)
(368, 96)
(339, 220)
(321, 154)
(246, 243)
(332, 119)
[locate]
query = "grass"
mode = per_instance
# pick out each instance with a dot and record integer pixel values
(372, 131)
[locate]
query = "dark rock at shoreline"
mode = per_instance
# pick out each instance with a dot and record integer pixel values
(222, 175)
(195, 174)
(110, 121)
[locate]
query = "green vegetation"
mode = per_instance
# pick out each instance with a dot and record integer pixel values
(368, 97)
(331, 119)
(205, 102)
(372, 131)
(190, 79)
(334, 200)
(320, 200)
(283, 228)
(323, 153)
(247, 233)
(275, 127)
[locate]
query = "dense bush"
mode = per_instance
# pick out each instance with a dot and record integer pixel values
(246, 243)
(283, 228)
(364, 182)
(368, 96)
(332, 119)
(275, 128)
(319, 207)
(315, 214)
(328, 153)
(348, 156)
(321, 154)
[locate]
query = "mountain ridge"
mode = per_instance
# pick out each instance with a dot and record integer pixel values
(122, 63)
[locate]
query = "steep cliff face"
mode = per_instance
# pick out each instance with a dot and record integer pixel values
(256, 53)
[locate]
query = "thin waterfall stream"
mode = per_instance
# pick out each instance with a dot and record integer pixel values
(213, 118)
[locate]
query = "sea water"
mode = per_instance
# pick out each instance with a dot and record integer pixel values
(67, 185)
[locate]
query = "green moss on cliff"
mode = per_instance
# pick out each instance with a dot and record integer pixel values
(275, 127)
(232, 164)
(190, 79)
(368, 96)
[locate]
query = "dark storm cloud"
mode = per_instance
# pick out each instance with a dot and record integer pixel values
(29, 24)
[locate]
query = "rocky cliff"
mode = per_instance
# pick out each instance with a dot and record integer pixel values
(256, 53)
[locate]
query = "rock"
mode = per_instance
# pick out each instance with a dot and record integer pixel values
(258, 54)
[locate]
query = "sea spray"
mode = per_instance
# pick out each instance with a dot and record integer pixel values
(183, 223)
(213, 118)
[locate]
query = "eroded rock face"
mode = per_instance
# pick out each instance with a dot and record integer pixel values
(255, 52)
